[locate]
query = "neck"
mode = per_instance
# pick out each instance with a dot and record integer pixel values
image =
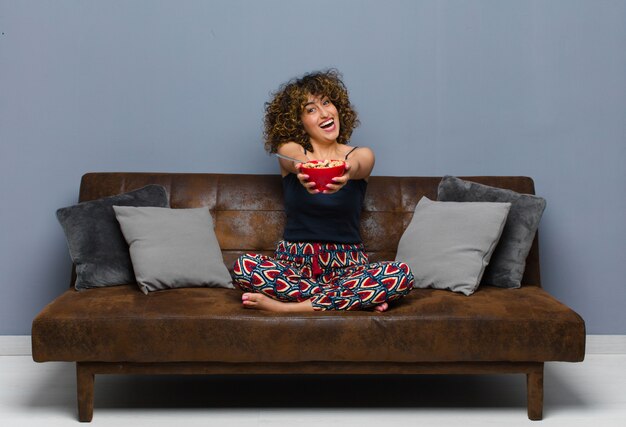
(326, 150)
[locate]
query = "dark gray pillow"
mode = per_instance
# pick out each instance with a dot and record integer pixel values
(508, 262)
(95, 240)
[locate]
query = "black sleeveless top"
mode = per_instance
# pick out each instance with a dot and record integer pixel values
(323, 218)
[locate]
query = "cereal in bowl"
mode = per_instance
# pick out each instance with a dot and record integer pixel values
(322, 164)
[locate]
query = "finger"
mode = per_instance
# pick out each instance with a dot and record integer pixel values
(330, 188)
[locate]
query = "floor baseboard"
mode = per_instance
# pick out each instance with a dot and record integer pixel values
(15, 345)
(606, 344)
(20, 345)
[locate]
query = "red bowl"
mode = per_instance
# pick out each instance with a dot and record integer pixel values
(323, 175)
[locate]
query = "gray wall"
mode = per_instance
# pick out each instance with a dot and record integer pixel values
(495, 87)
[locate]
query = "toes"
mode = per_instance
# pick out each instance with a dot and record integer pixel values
(251, 297)
(249, 300)
(382, 307)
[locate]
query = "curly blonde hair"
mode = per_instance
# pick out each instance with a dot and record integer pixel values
(283, 121)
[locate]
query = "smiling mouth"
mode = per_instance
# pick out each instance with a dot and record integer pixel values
(328, 123)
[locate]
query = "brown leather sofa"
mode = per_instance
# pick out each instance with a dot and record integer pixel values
(119, 330)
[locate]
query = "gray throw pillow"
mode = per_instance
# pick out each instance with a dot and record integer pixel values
(447, 245)
(173, 248)
(97, 246)
(508, 262)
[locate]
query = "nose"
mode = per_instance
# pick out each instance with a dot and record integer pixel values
(324, 111)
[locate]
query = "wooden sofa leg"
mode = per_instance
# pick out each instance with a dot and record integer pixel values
(534, 390)
(84, 386)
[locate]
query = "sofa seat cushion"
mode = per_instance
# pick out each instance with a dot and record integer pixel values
(120, 324)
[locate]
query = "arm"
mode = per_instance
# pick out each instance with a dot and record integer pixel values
(361, 163)
(295, 150)
(358, 166)
(290, 149)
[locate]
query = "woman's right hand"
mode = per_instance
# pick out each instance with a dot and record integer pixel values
(304, 180)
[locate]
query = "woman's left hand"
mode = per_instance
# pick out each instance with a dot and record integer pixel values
(339, 181)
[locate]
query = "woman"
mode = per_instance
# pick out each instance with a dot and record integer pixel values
(321, 263)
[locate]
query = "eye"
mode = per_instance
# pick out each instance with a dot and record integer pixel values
(326, 101)
(310, 110)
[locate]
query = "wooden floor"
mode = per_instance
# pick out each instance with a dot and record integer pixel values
(591, 393)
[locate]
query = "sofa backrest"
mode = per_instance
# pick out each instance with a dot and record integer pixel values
(248, 209)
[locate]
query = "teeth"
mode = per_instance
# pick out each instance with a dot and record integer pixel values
(327, 123)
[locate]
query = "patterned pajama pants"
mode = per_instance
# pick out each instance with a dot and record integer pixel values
(332, 276)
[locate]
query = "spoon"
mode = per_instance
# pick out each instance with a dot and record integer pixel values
(290, 158)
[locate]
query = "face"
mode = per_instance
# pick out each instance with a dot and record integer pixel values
(320, 119)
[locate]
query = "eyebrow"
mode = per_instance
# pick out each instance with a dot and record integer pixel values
(322, 98)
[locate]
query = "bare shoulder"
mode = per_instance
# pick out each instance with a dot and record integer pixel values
(363, 155)
(362, 159)
(362, 152)
(292, 149)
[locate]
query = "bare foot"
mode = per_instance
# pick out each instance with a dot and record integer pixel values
(382, 307)
(262, 302)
